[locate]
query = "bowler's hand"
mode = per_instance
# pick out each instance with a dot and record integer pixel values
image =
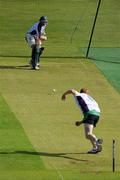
(78, 123)
(63, 97)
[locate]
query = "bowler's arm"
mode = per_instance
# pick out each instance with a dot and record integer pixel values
(68, 92)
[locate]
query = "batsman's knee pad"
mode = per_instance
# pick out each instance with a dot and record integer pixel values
(41, 50)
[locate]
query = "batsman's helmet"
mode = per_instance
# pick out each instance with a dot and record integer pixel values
(43, 19)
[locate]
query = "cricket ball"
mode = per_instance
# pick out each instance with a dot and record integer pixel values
(54, 90)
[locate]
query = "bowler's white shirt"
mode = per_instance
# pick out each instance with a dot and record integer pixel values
(86, 103)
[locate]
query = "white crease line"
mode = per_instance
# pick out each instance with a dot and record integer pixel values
(58, 172)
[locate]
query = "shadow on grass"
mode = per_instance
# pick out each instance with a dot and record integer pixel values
(51, 57)
(59, 155)
(106, 61)
(25, 67)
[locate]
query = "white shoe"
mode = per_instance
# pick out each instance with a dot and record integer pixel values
(93, 151)
(37, 68)
(38, 64)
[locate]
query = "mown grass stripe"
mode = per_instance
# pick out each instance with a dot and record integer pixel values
(16, 151)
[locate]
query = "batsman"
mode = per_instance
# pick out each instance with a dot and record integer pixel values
(35, 37)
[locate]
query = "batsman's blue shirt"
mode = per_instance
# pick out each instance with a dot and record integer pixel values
(34, 30)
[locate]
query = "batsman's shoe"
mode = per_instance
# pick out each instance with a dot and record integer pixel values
(35, 68)
(38, 64)
(93, 151)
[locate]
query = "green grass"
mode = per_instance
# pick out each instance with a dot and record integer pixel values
(15, 146)
(108, 61)
(49, 123)
(37, 133)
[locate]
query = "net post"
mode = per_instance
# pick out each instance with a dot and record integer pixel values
(113, 156)
(92, 31)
